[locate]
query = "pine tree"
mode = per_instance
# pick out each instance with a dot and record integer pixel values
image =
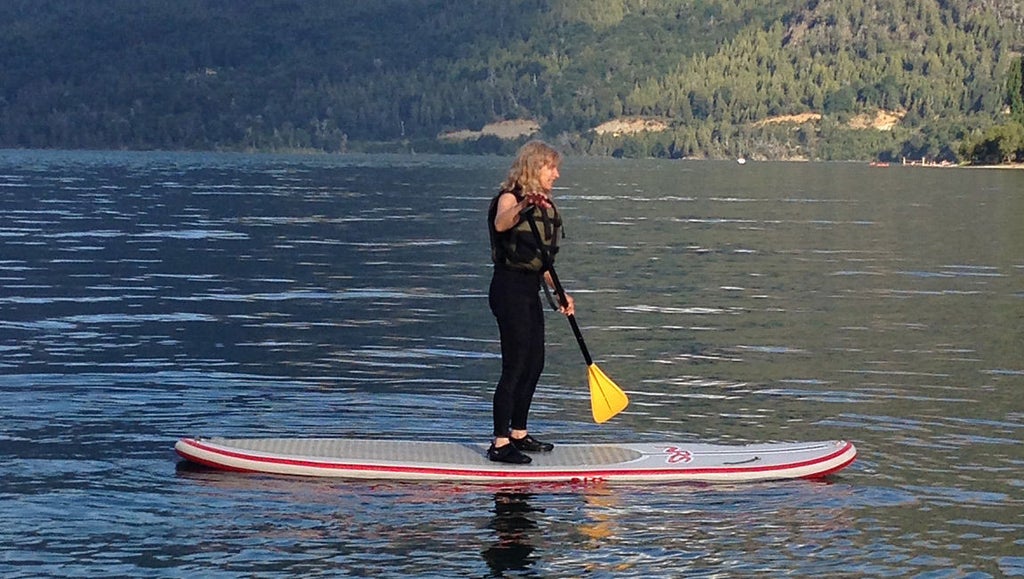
(1015, 89)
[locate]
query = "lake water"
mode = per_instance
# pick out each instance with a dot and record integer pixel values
(148, 296)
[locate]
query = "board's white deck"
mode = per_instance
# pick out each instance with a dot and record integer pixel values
(411, 460)
(419, 452)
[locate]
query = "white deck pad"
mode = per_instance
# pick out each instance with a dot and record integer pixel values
(453, 461)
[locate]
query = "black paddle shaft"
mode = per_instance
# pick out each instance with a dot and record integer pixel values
(559, 290)
(572, 317)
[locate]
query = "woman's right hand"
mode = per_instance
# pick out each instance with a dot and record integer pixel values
(538, 200)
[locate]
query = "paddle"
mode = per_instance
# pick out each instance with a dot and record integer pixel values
(606, 398)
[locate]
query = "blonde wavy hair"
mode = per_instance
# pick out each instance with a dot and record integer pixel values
(525, 171)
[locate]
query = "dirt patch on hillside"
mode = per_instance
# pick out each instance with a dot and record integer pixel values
(880, 121)
(789, 119)
(502, 129)
(630, 126)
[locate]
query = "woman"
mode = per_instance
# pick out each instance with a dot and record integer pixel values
(519, 269)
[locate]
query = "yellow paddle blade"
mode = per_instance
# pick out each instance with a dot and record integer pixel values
(606, 398)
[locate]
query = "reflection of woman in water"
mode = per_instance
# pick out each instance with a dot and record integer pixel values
(512, 523)
(518, 272)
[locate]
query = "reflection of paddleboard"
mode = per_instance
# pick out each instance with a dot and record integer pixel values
(451, 461)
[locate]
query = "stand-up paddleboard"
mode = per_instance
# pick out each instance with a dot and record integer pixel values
(452, 461)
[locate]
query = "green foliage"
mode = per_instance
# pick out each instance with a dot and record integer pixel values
(1002, 143)
(1015, 89)
(392, 74)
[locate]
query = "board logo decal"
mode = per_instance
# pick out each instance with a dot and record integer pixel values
(677, 455)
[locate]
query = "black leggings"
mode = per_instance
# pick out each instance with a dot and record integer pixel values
(515, 302)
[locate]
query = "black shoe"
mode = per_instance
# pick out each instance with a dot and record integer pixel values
(531, 444)
(508, 453)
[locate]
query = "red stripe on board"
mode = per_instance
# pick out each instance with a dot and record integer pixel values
(501, 474)
(836, 469)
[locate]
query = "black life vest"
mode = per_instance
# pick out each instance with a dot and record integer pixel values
(517, 248)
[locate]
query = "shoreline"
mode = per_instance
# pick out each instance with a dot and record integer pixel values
(1004, 166)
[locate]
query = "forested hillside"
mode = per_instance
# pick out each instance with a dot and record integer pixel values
(773, 79)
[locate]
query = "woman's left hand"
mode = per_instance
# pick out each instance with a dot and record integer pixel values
(570, 306)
